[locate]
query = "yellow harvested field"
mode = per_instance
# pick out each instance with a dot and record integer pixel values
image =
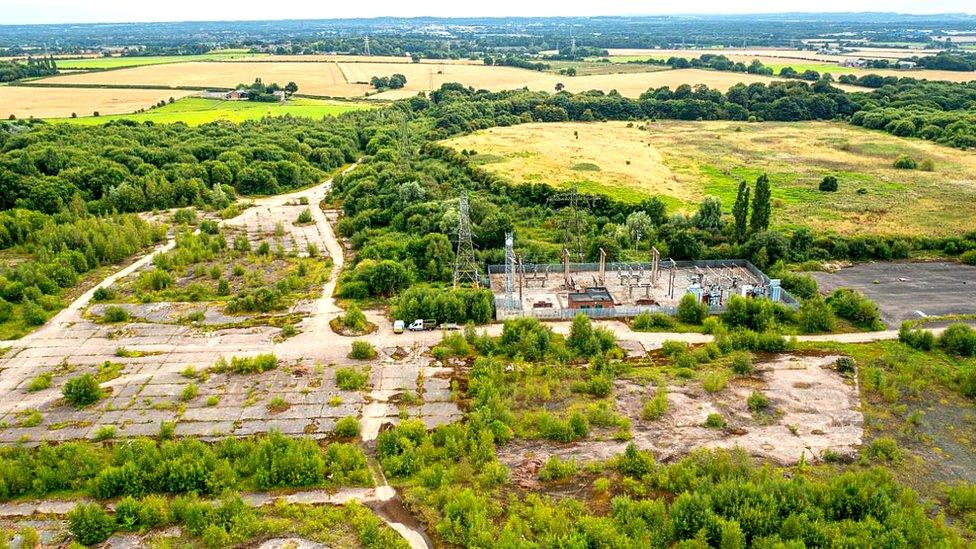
(352, 79)
(24, 102)
(312, 78)
(682, 162)
(339, 58)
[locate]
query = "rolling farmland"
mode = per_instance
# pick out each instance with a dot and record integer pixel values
(25, 102)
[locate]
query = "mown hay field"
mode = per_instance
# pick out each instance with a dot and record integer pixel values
(684, 161)
(351, 79)
(25, 102)
(312, 78)
(194, 111)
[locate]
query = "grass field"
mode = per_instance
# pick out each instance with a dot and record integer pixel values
(24, 102)
(137, 61)
(685, 161)
(195, 111)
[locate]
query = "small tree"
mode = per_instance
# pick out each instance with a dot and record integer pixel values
(828, 184)
(82, 390)
(761, 205)
(362, 350)
(740, 211)
(691, 311)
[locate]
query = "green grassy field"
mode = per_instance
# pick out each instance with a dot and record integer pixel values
(122, 62)
(195, 111)
(682, 162)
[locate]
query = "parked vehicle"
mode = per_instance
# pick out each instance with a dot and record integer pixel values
(421, 325)
(450, 326)
(398, 326)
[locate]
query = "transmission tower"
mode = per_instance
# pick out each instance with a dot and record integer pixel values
(465, 266)
(510, 267)
(366, 45)
(572, 48)
(575, 200)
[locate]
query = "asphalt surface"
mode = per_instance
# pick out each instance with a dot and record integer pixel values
(906, 290)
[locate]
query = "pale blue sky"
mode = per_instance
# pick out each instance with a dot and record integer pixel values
(93, 11)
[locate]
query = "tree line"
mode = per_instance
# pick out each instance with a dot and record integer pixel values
(12, 70)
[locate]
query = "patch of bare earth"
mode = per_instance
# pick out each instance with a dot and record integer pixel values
(813, 411)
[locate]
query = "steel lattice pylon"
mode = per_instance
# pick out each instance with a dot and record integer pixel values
(465, 265)
(510, 267)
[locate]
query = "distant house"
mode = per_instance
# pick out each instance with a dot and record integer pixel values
(855, 63)
(280, 95)
(905, 65)
(236, 95)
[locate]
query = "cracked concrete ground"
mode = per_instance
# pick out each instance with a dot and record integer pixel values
(814, 411)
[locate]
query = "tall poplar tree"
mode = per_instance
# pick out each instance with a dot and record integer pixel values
(741, 211)
(761, 205)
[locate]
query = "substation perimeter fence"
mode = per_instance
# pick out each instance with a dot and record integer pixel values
(505, 310)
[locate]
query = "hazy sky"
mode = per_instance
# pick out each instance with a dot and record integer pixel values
(93, 11)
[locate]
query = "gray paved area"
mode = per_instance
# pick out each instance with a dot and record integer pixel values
(906, 291)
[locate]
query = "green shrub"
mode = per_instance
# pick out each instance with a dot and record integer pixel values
(959, 339)
(691, 310)
(247, 365)
(905, 162)
(305, 216)
(715, 381)
(828, 184)
(351, 379)
(354, 319)
(29, 537)
(816, 316)
(922, 340)
(757, 402)
(851, 305)
(885, 448)
(346, 427)
(969, 258)
(90, 524)
(40, 382)
(105, 432)
(648, 322)
(657, 406)
(556, 469)
(82, 390)
(115, 314)
(32, 313)
(282, 461)
(715, 421)
(362, 350)
(742, 364)
(961, 497)
(127, 514)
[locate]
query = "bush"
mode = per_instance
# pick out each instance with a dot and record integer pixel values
(82, 390)
(305, 217)
(816, 316)
(557, 469)
(248, 365)
(40, 382)
(346, 427)
(922, 340)
(362, 350)
(115, 314)
(742, 364)
(959, 339)
(757, 402)
(647, 322)
(852, 306)
(90, 524)
(715, 381)
(354, 319)
(32, 313)
(656, 407)
(691, 310)
(828, 184)
(905, 162)
(351, 379)
(715, 421)
(845, 365)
